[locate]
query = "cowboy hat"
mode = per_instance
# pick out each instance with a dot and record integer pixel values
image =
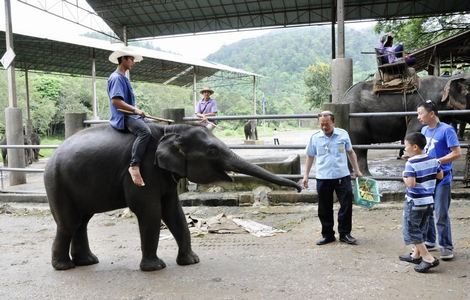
(208, 89)
(125, 51)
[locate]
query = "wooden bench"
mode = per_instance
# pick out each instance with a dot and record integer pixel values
(397, 69)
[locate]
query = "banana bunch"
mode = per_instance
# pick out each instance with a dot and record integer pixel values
(365, 191)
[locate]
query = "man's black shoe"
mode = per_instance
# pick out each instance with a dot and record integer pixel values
(348, 239)
(326, 240)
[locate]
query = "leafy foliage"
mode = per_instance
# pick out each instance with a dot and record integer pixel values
(287, 59)
(421, 32)
(318, 81)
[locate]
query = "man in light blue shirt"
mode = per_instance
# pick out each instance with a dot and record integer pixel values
(331, 148)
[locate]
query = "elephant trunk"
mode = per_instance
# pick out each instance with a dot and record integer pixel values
(239, 165)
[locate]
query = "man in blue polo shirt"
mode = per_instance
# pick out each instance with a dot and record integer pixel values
(331, 148)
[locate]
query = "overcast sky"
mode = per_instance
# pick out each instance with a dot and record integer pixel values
(30, 20)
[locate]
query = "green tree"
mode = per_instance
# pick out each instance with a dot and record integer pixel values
(48, 87)
(42, 113)
(421, 32)
(317, 79)
(47, 91)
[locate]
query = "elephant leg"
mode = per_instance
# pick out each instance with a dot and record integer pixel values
(174, 218)
(362, 161)
(60, 249)
(149, 219)
(81, 253)
(462, 126)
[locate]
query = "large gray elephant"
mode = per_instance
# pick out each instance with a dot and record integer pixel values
(88, 174)
(448, 93)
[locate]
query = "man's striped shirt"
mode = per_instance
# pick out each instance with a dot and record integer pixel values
(424, 169)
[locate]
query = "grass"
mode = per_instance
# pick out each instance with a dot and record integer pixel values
(50, 140)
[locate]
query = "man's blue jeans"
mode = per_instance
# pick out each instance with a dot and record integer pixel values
(441, 218)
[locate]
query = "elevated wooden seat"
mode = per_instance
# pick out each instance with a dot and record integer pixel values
(398, 69)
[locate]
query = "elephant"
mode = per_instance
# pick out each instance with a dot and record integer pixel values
(29, 153)
(447, 93)
(251, 133)
(88, 174)
(35, 140)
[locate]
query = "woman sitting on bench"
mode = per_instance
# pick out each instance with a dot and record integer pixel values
(393, 53)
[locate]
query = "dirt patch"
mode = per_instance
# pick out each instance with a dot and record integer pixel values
(233, 266)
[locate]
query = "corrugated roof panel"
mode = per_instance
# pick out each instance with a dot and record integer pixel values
(185, 17)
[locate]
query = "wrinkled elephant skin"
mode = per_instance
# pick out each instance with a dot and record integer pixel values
(88, 174)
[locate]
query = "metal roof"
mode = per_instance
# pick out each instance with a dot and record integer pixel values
(451, 51)
(144, 18)
(74, 56)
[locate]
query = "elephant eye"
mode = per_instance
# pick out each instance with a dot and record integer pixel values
(212, 151)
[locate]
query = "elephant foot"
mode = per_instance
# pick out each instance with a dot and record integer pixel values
(61, 265)
(85, 260)
(155, 264)
(189, 258)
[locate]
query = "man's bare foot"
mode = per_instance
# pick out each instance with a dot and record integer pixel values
(135, 175)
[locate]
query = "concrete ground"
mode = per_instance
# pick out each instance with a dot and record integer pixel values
(233, 266)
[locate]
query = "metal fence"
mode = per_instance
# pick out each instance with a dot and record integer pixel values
(265, 117)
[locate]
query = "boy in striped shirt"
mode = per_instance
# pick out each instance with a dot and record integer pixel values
(421, 172)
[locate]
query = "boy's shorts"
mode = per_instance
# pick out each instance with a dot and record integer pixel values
(415, 222)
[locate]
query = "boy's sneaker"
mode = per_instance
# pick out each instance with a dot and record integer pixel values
(447, 254)
(433, 247)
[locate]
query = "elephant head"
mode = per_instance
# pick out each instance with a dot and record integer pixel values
(195, 153)
(456, 92)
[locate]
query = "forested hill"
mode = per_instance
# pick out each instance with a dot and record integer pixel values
(293, 50)
(283, 56)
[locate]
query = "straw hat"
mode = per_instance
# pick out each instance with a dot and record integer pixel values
(125, 51)
(208, 89)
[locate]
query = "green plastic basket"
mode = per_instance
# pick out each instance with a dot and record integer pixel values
(366, 192)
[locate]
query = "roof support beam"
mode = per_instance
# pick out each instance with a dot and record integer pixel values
(93, 86)
(12, 102)
(194, 88)
(73, 13)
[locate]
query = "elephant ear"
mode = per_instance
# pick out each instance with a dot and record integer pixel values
(453, 85)
(170, 155)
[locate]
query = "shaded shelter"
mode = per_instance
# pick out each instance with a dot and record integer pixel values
(446, 53)
(89, 57)
(132, 19)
